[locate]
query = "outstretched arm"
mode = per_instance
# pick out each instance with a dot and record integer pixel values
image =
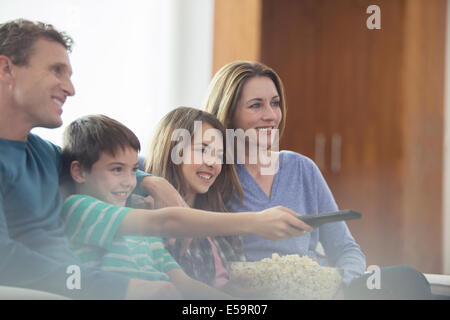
(168, 221)
(274, 223)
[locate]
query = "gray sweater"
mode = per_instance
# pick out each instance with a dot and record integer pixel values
(300, 186)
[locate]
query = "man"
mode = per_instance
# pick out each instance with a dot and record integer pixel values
(35, 82)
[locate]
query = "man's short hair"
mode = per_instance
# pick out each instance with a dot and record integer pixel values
(87, 137)
(18, 36)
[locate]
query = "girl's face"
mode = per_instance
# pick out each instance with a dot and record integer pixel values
(202, 162)
(258, 109)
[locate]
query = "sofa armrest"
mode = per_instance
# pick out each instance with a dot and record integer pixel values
(15, 293)
(440, 283)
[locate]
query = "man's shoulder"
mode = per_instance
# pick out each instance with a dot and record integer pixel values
(35, 140)
(14, 148)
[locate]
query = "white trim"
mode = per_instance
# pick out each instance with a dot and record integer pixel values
(440, 284)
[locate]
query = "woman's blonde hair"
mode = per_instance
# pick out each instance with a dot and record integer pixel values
(159, 162)
(226, 87)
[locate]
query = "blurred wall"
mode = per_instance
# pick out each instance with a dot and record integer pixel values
(133, 61)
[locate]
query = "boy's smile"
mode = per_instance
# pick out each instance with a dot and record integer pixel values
(111, 178)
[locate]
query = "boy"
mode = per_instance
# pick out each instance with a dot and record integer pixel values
(102, 157)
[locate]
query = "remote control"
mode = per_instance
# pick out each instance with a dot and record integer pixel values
(316, 220)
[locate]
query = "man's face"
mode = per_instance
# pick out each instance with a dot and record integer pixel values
(112, 178)
(41, 87)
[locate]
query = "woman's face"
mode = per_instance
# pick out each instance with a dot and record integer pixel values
(258, 109)
(202, 162)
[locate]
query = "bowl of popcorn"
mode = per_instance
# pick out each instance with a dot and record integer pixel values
(290, 277)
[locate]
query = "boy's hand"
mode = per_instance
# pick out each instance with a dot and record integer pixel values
(162, 192)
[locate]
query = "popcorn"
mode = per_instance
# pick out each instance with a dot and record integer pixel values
(290, 277)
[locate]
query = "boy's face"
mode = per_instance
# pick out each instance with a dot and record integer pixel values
(112, 178)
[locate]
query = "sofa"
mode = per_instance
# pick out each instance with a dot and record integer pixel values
(440, 285)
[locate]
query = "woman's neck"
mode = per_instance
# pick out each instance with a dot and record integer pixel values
(262, 163)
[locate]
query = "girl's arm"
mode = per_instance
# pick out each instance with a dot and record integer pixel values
(172, 221)
(274, 223)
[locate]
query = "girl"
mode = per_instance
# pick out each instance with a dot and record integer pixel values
(204, 183)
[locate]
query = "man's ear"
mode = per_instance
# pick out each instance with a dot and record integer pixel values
(6, 70)
(77, 172)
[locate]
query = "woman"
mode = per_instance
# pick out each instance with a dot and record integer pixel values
(249, 96)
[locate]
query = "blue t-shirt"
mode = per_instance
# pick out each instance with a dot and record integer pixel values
(299, 185)
(34, 252)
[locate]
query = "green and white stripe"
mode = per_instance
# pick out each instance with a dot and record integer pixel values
(91, 225)
(92, 222)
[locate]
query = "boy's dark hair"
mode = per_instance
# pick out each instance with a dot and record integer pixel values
(87, 137)
(18, 36)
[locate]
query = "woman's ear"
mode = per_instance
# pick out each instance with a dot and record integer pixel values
(77, 172)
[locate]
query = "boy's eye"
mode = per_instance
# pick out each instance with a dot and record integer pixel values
(116, 169)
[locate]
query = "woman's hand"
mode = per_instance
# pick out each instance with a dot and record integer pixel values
(140, 202)
(278, 223)
(162, 192)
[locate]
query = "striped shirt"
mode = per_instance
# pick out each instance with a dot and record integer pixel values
(91, 224)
